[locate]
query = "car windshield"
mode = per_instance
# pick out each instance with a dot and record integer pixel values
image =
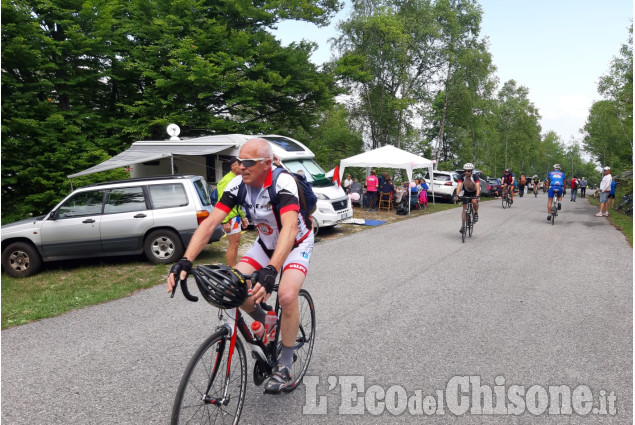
(311, 170)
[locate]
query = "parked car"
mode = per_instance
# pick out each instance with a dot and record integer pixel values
(445, 184)
(493, 186)
(155, 216)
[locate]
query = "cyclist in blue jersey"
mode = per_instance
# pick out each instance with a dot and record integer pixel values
(507, 181)
(555, 182)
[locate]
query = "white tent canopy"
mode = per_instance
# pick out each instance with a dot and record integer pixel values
(388, 157)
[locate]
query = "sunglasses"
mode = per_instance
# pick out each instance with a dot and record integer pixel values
(467, 171)
(249, 162)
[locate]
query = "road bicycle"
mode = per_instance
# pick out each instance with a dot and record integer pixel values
(626, 201)
(554, 205)
(506, 198)
(213, 386)
(467, 224)
(535, 190)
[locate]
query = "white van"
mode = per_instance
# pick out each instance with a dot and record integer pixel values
(208, 156)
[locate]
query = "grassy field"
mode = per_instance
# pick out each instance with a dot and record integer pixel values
(70, 285)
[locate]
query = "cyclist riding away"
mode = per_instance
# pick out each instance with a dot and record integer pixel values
(555, 182)
(507, 181)
(284, 243)
(471, 186)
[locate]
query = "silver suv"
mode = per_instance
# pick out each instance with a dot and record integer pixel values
(155, 216)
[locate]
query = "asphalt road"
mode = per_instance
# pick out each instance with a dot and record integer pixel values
(405, 310)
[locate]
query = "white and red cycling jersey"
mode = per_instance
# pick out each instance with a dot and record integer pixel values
(258, 206)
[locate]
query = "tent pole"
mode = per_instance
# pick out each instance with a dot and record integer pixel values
(172, 163)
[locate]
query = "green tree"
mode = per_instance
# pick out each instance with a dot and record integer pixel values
(466, 78)
(387, 53)
(332, 139)
(518, 125)
(608, 131)
(82, 80)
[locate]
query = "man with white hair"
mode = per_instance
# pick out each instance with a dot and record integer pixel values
(279, 247)
(605, 189)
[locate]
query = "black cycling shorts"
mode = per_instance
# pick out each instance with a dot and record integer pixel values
(468, 194)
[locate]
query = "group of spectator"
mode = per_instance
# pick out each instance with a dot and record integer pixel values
(382, 186)
(576, 184)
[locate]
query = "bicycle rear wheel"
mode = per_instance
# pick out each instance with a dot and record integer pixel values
(554, 213)
(200, 397)
(304, 340)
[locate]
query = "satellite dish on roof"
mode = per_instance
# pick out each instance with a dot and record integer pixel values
(174, 131)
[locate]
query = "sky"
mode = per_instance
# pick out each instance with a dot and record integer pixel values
(558, 49)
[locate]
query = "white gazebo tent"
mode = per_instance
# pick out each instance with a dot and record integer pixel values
(389, 157)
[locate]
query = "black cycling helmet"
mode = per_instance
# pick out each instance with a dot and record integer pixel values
(221, 286)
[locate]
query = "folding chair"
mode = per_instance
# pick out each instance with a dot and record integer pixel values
(385, 201)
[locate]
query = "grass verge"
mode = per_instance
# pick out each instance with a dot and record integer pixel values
(621, 221)
(70, 285)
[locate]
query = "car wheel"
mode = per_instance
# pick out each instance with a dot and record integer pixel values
(163, 247)
(316, 226)
(21, 259)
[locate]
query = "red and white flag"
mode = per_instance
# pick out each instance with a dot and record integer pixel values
(336, 175)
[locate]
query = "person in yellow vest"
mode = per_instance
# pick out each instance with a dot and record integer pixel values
(236, 217)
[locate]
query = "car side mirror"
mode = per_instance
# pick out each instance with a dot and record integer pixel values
(52, 215)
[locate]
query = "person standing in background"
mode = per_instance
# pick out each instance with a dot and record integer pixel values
(235, 219)
(521, 184)
(574, 188)
(583, 185)
(611, 202)
(605, 188)
(372, 183)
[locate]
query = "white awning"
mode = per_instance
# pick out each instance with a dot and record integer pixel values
(140, 152)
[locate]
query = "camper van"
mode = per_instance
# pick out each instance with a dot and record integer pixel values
(208, 156)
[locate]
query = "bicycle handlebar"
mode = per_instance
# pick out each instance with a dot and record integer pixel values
(186, 292)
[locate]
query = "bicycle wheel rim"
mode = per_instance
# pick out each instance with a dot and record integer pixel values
(305, 339)
(504, 202)
(189, 406)
(470, 225)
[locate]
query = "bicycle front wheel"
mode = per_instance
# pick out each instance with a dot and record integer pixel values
(207, 394)
(463, 229)
(504, 201)
(304, 340)
(470, 223)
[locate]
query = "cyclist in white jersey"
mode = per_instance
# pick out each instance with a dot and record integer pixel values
(280, 246)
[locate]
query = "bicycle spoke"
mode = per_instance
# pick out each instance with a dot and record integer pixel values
(304, 339)
(195, 405)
